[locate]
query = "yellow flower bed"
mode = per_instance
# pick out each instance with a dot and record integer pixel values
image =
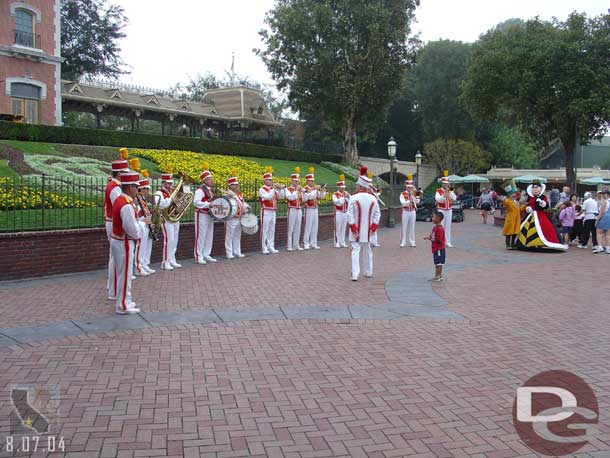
(13, 197)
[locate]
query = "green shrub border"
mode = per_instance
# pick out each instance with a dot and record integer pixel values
(99, 137)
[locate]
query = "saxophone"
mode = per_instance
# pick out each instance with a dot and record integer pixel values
(180, 203)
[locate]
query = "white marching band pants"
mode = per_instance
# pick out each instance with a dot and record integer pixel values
(311, 227)
(143, 249)
(123, 253)
(204, 236)
(408, 227)
(295, 217)
(368, 258)
(447, 216)
(340, 227)
(112, 280)
(170, 241)
(233, 237)
(268, 229)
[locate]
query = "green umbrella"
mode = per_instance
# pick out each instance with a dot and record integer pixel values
(595, 181)
(453, 179)
(529, 179)
(474, 179)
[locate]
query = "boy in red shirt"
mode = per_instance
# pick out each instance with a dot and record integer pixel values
(437, 237)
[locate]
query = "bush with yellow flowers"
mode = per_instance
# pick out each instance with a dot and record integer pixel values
(13, 197)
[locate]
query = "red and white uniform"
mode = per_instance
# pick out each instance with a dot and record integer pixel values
(341, 202)
(144, 244)
(233, 227)
(125, 232)
(204, 224)
(170, 230)
(113, 190)
(363, 215)
(268, 197)
(444, 202)
(409, 203)
(294, 200)
(311, 196)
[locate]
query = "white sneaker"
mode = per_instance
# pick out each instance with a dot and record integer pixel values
(598, 249)
(337, 246)
(265, 251)
(133, 277)
(289, 249)
(274, 251)
(368, 275)
(402, 246)
(582, 247)
(131, 311)
(240, 255)
(175, 265)
(112, 298)
(413, 246)
(343, 245)
(142, 273)
(354, 278)
(307, 247)
(449, 245)
(315, 247)
(202, 262)
(608, 249)
(230, 257)
(209, 259)
(149, 270)
(166, 267)
(300, 249)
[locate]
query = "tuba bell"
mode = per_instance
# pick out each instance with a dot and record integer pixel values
(180, 203)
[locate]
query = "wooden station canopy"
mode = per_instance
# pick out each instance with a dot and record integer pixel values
(235, 108)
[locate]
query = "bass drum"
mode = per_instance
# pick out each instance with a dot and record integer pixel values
(249, 224)
(223, 208)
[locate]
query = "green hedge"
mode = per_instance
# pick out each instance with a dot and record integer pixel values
(81, 136)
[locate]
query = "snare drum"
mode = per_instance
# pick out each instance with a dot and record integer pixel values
(249, 224)
(223, 208)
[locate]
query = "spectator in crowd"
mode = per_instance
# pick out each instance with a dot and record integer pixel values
(554, 197)
(486, 204)
(579, 216)
(566, 216)
(564, 196)
(603, 223)
(590, 209)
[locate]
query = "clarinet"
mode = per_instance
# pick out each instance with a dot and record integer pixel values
(147, 214)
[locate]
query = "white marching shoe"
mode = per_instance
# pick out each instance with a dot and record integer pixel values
(240, 255)
(166, 266)
(274, 251)
(209, 259)
(201, 261)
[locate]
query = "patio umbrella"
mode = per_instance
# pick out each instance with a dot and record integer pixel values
(453, 179)
(595, 181)
(529, 179)
(472, 179)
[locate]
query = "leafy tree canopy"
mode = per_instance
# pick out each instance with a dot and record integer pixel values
(458, 156)
(551, 77)
(511, 147)
(341, 60)
(90, 35)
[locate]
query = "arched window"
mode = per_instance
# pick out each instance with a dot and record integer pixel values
(25, 101)
(24, 28)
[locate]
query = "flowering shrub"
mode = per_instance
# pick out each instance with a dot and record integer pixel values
(13, 197)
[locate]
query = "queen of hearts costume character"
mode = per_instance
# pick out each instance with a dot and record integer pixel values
(537, 231)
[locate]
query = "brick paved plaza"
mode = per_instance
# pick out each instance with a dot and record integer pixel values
(283, 356)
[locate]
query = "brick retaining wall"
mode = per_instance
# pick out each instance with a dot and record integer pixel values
(39, 254)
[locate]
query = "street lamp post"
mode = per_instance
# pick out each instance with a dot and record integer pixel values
(418, 158)
(392, 155)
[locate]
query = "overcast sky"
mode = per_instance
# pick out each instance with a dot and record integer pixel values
(169, 41)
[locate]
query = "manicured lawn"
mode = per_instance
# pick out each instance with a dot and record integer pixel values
(5, 170)
(286, 168)
(32, 147)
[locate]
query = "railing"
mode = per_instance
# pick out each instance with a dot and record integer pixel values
(43, 203)
(30, 40)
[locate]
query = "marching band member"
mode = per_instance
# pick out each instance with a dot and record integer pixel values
(375, 193)
(204, 224)
(233, 225)
(125, 232)
(170, 229)
(294, 199)
(444, 202)
(268, 196)
(144, 244)
(311, 196)
(409, 202)
(340, 201)
(112, 191)
(363, 217)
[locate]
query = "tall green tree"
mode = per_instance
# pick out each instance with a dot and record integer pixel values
(511, 147)
(339, 60)
(441, 68)
(90, 35)
(552, 77)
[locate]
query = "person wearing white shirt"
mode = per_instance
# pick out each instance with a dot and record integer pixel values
(171, 230)
(408, 202)
(590, 210)
(294, 201)
(268, 196)
(340, 201)
(125, 232)
(445, 198)
(311, 196)
(204, 224)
